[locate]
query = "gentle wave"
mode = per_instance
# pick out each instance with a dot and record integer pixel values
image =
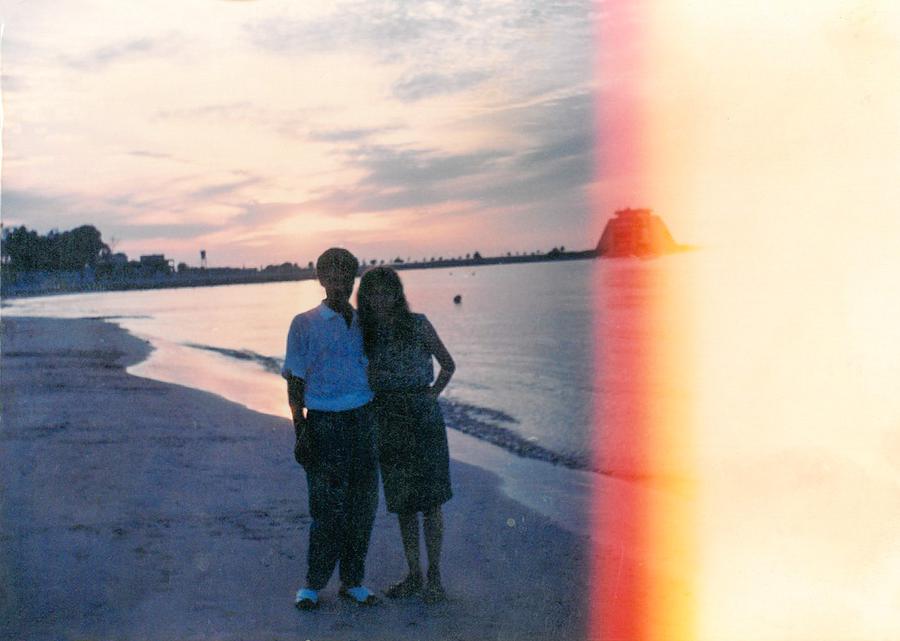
(483, 423)
(268, 363)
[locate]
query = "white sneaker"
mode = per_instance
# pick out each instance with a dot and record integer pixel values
(306, 599)
(361, 595)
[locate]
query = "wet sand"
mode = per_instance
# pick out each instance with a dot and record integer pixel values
(134, 509)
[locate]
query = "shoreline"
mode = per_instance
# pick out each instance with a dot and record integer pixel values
(524, 478)
(124, 498)
(481, 423)
(209, 279)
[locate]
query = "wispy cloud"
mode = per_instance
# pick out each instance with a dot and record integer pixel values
(578, 146)
(136, 49)
(143, 153)
(558, 156)
(224, 188)
(243, 110)
(424, 32)
(426, 85)
(42, 210)
(398, 179)
(412, 168)
(377, 28)
(348, 135)
(145, 231)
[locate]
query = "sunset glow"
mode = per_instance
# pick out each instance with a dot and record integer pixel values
(264, 131)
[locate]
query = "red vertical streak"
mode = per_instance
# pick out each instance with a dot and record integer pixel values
(622, 350)
(622, 444)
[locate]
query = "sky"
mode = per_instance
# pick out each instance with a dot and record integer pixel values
(264, 131)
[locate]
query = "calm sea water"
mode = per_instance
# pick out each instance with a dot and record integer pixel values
(522, 338)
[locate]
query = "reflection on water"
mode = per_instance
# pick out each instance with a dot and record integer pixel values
(521, 338)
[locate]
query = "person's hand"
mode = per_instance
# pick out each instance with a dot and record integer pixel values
(432, 393)
(303, 448)
(302, 453)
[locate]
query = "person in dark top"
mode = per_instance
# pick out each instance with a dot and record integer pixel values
(411, 435)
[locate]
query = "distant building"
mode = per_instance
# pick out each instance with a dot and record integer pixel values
(636, 232)
(153, 263)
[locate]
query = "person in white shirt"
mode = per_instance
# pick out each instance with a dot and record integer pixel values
(325, 367)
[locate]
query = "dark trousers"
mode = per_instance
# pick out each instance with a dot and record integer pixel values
(343, 494)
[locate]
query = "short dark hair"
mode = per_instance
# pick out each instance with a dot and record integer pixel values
(338, 259)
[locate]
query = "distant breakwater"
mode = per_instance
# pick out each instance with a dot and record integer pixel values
(53, 286)
(69, 284)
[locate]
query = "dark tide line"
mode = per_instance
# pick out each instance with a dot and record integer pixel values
(483, 423)
(477, 421)
(268, 363)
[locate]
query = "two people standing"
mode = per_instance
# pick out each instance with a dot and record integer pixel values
(335, 358)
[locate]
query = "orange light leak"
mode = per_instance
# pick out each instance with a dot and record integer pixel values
(642, 570)
(644, 502)
(747, 427)
(622, 608)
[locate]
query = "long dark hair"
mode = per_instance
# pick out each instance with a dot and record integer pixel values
(387, 279)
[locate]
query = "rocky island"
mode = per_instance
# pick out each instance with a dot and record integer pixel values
(636, 232)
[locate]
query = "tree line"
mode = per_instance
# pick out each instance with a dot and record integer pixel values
(26, 250)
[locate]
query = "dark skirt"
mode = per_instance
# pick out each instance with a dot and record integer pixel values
(412, 451)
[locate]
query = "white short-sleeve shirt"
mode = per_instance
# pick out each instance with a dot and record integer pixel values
(329, 356)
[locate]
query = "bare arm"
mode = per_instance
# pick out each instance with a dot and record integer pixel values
(296, 388)
(442, 356)
(295, 360)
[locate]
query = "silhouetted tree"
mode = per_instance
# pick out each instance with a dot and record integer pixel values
(22, 249)
(26, 250)
(87, 247)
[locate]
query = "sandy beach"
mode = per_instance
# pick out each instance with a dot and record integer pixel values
(134, 509)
